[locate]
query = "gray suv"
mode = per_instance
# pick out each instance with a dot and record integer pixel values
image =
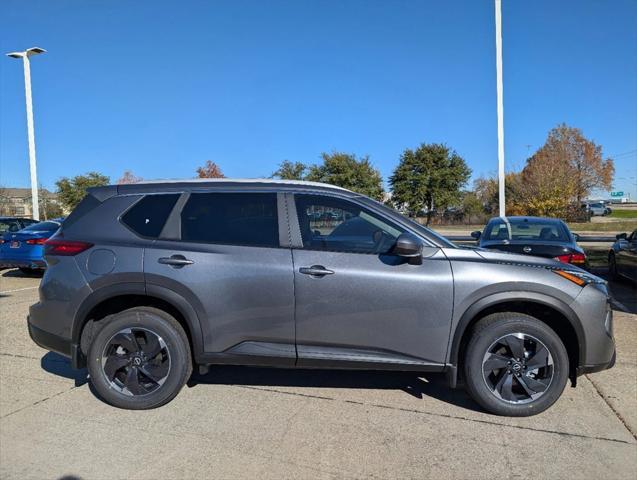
(146, 280)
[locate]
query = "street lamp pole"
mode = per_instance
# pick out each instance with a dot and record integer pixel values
(30, 130)
(498, 67)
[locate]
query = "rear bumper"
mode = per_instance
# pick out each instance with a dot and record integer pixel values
(55, 343)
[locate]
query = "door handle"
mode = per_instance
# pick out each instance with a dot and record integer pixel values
(176, 261)
(316, 271)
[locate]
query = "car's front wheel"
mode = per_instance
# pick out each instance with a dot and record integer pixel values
(140, 359)
(515, 365)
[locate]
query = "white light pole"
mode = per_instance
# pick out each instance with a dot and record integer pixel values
(498, 67)
(30, 132)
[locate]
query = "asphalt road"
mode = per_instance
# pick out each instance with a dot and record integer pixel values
(265, 423)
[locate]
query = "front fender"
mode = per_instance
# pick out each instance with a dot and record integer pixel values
(467, 314)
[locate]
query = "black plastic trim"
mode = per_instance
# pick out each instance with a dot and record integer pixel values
(50, 341)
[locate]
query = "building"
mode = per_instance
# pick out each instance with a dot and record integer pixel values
(16, 202)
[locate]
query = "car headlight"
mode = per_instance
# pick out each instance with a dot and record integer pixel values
(580, 278)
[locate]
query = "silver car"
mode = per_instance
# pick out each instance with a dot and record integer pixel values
(146, 280)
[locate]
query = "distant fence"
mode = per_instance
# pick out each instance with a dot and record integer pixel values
(581, 239)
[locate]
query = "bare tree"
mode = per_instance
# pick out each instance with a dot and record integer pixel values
(129, 177)
(210, 170)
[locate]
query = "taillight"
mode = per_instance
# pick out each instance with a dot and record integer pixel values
(1, 241)
(65, 248)
(572, 258)
(36, 241)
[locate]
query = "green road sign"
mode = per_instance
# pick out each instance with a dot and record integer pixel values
(616, 194)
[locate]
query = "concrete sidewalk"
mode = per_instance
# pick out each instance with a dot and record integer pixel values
(265, 423)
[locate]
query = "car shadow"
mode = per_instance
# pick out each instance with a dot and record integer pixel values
(419, 386)
(16, 273)
(61, 366)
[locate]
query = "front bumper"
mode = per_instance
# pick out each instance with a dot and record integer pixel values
(582, 369)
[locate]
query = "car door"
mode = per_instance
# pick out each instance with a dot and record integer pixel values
(230, 262)
(356, 303)
(627, 257)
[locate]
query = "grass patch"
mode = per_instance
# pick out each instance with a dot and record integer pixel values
(624, 214)
(619, 226)
(597, 256)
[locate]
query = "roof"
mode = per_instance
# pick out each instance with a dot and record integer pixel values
(268, 184)
(523, 218)
(23, 192)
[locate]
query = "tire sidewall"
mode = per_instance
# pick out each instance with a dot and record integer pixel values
(180, 364)
(481, 342)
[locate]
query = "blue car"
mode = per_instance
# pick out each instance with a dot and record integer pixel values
(24, 249)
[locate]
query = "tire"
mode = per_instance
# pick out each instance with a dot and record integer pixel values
(140, 359)
(516, 389)
(28, 271)
(612, 266)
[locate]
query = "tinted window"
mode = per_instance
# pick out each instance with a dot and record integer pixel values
(42, 227)
(148, 216)
(338, 225)
(231, 218)
(9, 226)
(529, 230)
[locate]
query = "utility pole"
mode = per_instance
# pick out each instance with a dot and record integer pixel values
(30, 130)
(498, 67)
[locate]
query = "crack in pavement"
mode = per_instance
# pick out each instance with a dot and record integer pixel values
(39, 402)
(615, 411)
(14, 355)
(440, 415)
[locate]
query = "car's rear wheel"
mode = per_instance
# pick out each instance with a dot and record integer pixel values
(29, 271)
(515, 365)
(140, 359)
(612, 266)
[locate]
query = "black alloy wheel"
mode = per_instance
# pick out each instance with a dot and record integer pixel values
(136, 361)
(517, 368)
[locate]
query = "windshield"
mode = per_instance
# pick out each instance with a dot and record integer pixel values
(42, 226)
(526, 229)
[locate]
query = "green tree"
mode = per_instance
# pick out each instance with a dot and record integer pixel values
(429, 177)
(345, 170)
(290, 171)
(71, 191)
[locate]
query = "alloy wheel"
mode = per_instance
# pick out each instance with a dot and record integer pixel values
(136, 361)
(517, 368)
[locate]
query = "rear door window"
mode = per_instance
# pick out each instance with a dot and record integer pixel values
(248, 219)
(148, 216)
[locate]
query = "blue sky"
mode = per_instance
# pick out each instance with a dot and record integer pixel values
(160, 87)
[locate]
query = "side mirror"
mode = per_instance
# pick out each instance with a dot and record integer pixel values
(476, 234)
(408, 246)
(621, 236)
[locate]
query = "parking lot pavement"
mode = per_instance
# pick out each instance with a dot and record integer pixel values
(246, 422)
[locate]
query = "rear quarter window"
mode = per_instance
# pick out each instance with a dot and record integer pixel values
(148, 216)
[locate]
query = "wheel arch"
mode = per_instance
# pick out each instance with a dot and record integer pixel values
(116, 298)
(551, 311)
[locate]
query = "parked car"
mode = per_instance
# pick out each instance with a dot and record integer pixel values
(24, 249)
(538, 236)
(144, 280)
(13, 224)
(598, 209)
(622, 257)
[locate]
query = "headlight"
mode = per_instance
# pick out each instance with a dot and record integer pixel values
(580, 278)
